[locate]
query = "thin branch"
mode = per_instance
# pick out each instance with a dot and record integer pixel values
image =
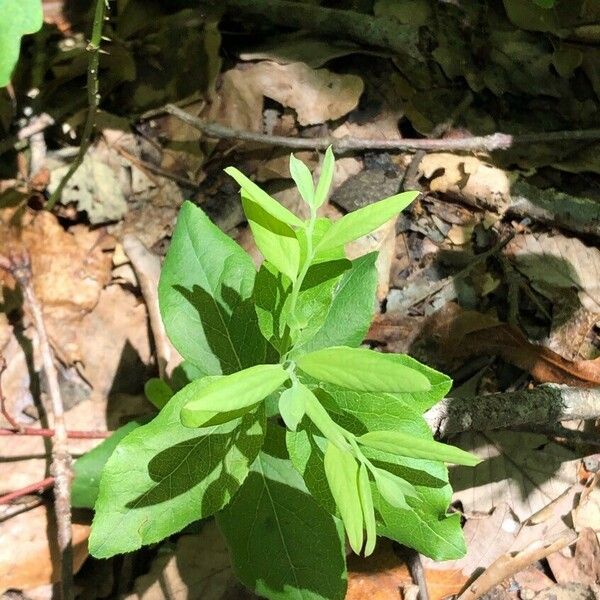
(32, 488)
(20, 268)
(486, 143)
(550, 403)
(93, 99)
(48, 433)
(19, 141)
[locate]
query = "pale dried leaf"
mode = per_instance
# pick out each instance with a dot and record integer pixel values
(555, 263)
(28, 553)
(468, 178)
(521, 469)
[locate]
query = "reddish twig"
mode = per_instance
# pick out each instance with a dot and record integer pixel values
(33, 488)
(48, 433)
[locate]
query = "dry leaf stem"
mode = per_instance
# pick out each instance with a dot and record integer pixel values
(341, 145)
(60, 468)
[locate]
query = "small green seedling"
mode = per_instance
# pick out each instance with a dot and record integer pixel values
(277, 422)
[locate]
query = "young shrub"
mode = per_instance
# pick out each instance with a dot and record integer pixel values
(285, 430)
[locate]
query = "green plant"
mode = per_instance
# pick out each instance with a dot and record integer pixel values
(277, 422)
(17, 18)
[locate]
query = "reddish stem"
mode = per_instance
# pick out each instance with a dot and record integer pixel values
(82, 435)
(40, 486)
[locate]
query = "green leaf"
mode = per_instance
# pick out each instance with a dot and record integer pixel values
(292, 405)
(163, 476)
(204, 292)
(270, 293)
(341, 470)
(320, 417)
(394, 489)
(316, 296)
(17, 18)
(283, 544)
(368, 512)
(228, 394)
(303, 178)
(363, 370)
(426, 526)
(364, 220)
(260, 197)
(397, 442)
(88, 468)
(327, 171)
(350, 313)
(276, 240)
(158, 392)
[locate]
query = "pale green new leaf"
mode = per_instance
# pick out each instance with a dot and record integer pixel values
(283, 544)
(350, 313)
(366, 503)
(341, 470)
(302, 176)
(292, 405)
(204, 293)
(275, 239)
(363, 370)
(320, 417)
(364, 220)
(17, 18)
(260, 197)
(393, 488)
(403, 444)
(163, 476)
(229, 394)
(158, 391)
(327, 171)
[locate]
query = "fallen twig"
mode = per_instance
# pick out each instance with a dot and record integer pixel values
(550, 403)
(36, 125)
(32, 488)
(48, 433)
(485, 143)
(93, 99)
(20, 268)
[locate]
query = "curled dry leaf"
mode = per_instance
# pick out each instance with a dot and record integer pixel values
(467, 178)
(462, 333)
(317, 95)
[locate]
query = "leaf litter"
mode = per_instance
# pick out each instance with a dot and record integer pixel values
(309, 85)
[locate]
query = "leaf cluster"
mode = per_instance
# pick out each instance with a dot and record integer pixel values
(277, 422)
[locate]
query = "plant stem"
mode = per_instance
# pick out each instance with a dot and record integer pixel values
(310, 229)
(93, 99)
(60, 469)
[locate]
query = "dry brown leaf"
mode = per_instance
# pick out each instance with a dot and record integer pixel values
(28, 552)
(523, 470)
(467, 178)
(69, 268)
(463, 333)
(317, 95)
(198, 567)
(384, 574)
(555, 263)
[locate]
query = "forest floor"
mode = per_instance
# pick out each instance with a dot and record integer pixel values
(492, 275)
